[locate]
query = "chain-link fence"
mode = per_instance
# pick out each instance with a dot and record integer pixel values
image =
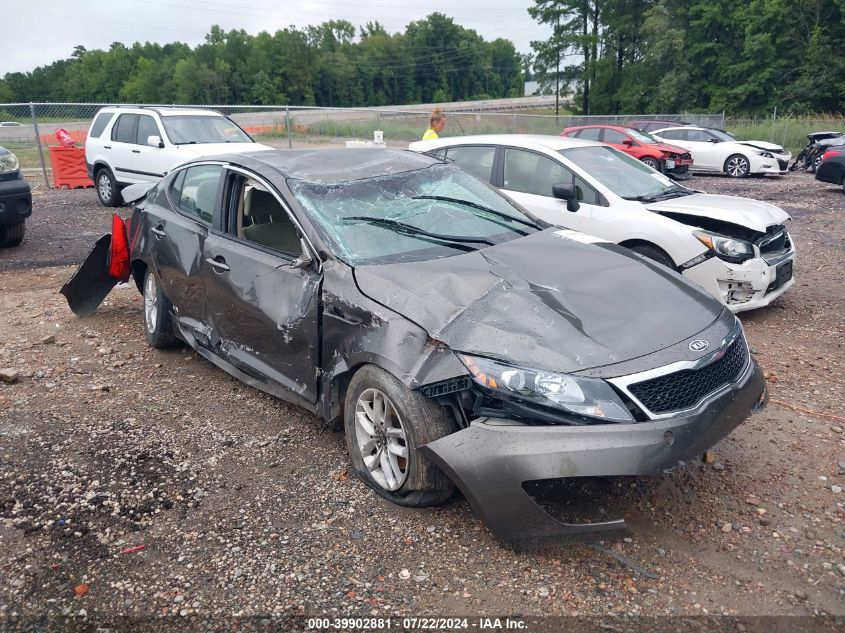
(29, 129)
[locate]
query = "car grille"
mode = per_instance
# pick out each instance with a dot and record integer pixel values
(777, 240)
(686, 388)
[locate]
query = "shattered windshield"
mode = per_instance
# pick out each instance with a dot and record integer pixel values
(423, 214)
(625, 176)
(191, 129)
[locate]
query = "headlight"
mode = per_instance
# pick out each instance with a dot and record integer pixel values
(726, 247)
(763, 153)
(589, 397)
(8, 162)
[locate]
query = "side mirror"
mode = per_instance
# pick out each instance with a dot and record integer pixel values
(628, 142)
(304, 260)
(155, 141)
(712, 140)
(567, 192)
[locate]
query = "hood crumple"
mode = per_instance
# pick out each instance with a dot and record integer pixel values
(753, 214)
(545, 301)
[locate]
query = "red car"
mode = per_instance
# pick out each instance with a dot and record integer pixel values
(674, 161)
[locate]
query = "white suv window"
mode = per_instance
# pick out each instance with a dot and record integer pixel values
(124, 128)
(100, 124)
(147, 127)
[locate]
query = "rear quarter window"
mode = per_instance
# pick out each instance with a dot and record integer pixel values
(100, 124)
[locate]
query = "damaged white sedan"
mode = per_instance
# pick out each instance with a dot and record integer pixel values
(737, 249)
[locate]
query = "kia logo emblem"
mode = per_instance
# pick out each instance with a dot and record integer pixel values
(698, 345)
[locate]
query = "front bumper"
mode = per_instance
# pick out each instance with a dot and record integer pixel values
(747, 286)
(15, 201)
(779, 164)
(491, 459)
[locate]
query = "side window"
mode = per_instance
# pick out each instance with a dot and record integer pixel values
(263, 220)
(194, 191)
(439, 153)
(100, 124)
(698, 135)
(590, 133)
(536, 174)
(614, 137)
(476, 160)
(675, 135)
(147, 127)
(124, 128)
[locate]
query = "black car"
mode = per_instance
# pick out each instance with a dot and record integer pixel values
(455, 338)
(832, 166)
(15, 200)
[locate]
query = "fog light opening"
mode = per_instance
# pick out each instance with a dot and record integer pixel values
(669, 438)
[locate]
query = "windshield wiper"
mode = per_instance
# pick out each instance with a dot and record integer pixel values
(666, 194)
(480, 207)
(410, 229)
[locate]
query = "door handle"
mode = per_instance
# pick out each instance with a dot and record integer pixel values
(158, 231)
(106, 146)
(218, 263)
(136, 151)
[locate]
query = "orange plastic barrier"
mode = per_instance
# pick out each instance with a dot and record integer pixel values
(69, 167)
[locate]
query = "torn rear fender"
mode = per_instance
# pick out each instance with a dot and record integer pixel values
(91, 282)
(491, 459)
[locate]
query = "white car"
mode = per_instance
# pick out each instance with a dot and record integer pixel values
(720, 151)
(735, 248)
(128, 145)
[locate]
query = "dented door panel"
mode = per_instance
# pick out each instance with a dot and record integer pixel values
(263, 314)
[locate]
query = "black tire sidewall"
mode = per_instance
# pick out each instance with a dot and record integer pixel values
(162, 335)
(747, 166)
(115, 195)
(12, 234)
(421, 473)
(654, 254)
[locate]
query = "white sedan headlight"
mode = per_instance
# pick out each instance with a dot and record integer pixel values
(727, 248)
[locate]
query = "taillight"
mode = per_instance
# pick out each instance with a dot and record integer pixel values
(829, 153)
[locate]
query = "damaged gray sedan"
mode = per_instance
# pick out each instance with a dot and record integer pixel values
(458, 340)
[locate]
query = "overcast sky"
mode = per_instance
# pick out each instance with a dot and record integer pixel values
(43, 31)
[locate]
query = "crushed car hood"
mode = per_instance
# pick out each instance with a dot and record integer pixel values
(545, 301)
(670, 149)
(769, 147)
(753, 214)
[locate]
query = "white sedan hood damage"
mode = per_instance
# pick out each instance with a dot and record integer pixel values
(753, 214)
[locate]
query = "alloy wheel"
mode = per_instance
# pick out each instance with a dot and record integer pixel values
(381, 439)
(737, 166)
(150, 303)
(104, 187)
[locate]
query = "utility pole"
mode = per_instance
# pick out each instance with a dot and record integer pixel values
(557, 72)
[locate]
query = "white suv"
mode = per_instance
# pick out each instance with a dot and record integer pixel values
(735, 248)
(128, 145)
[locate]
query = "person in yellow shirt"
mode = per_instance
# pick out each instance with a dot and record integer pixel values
(435, 126)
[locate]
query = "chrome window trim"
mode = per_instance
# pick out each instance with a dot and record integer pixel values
(624, 382)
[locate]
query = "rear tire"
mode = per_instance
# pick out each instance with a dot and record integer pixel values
(655, 254)
(158, 324)
(651, 162)
(385, 424)
(737, 166)
(12, 235)
(106, 186)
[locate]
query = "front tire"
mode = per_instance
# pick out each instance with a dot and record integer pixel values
(12, 235)
(737, 166)
(158, 324)
(651, 162)
(655, 254)
(385, 425)
(106, 186)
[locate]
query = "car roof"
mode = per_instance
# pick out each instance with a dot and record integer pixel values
(332, 165)
(528, 141)
(610, 126)
(163, 111)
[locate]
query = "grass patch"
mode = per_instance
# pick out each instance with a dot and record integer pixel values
(790, 133)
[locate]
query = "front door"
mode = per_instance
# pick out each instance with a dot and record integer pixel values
(263, 301)
(528, 178)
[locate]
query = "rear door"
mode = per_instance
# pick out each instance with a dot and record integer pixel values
(178, 223)
(119, 149)
(527, 177)
(263, 298)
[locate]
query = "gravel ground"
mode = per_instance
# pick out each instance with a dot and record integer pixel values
(245, 505)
